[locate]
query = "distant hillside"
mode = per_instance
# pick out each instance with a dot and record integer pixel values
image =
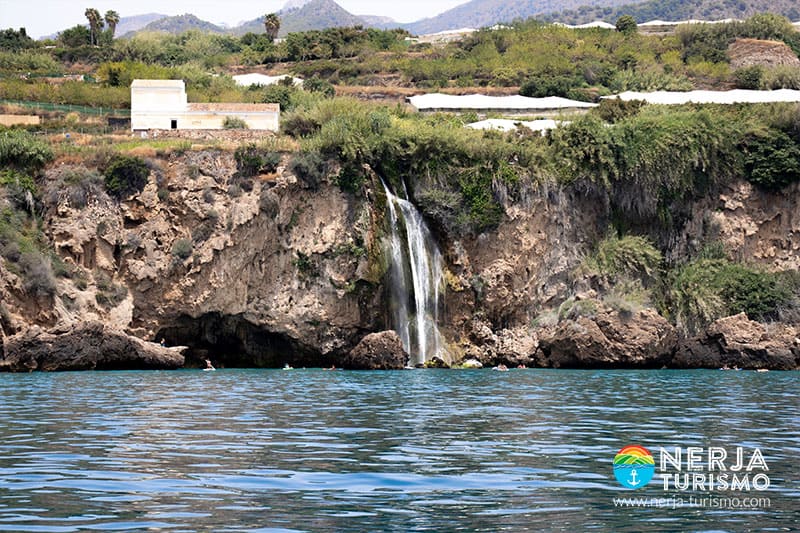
(313, 15)
(126, 25)
(481, 13)
(376, 21)
(673, 10)
(181, 23)
(137, 22)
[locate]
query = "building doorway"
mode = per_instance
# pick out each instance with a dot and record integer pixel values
(173, 124)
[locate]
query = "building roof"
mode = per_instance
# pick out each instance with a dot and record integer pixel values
(594, 24)
(480, 101)
(177, 84)
(502, 124)
(254, 78)
(689, 21)
(736, 96)
(234, 108)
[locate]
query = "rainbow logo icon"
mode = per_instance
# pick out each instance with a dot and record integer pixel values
(634, 467)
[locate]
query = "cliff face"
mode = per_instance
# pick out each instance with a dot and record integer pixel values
(255, 270)
(264, 271)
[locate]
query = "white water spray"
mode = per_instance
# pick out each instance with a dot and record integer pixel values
(416, 277)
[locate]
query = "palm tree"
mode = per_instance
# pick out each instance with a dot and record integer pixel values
(112, 19)
(95, 23)
(272, 24)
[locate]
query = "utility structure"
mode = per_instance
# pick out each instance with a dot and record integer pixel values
(163, 105)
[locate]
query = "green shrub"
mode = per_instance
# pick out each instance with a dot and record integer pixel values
(203, 231)
(614, 110)
(652, 163)
(182, 248)
(781, 77)
(25, 250)
(299, 124)
(771, 159)
(37, 273)
(310, 169)
(543, 85)
(704, 290)
(109, 294)
(20, 188)
(320, 86)
(234, 123)
(22, 151)
(749, 77)
(351, 178)
(126, 175)
(280, 94)
(252, 159)
(306, 268)
(75, 184)
(633, 256)
(626, 25)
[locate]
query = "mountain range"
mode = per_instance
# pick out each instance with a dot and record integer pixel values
(309, 15)
(302, 15)
(679, 10)
(482, 13)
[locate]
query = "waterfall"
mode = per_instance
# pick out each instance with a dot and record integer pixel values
(416, 277)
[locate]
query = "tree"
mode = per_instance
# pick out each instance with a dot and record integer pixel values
(126, 175)
(112, 19)
(626, 25)
(76, 36)
(272, 24)
(15, 40)
(95, 23)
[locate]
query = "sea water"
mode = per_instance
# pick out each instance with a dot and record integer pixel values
(424, 450)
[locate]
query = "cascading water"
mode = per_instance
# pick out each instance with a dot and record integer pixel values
(416, 276)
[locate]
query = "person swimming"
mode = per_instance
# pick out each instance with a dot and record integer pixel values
(209, 366)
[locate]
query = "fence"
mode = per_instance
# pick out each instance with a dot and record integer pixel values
(69, 108)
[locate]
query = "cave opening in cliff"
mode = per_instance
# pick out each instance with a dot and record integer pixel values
(230, 341)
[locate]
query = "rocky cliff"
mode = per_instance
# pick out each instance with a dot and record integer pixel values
(258, 271)
(266, 271)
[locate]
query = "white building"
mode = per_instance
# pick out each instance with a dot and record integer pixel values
(162, 105)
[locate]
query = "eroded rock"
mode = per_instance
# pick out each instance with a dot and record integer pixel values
(511, 346)
(609, 339)
(86, 346)
(377, 351)
(737, 341)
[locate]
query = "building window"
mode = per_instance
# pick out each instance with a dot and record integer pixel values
(173, 124)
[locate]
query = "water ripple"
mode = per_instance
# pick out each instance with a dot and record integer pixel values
(309, 450)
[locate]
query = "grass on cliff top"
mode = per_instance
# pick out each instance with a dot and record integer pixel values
(81, 147)
(651, 162)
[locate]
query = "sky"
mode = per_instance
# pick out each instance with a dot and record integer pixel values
(46, 17)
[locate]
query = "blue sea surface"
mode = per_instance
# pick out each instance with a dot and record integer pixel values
(432, 450)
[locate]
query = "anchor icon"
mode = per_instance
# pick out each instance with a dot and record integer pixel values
(633, 481)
